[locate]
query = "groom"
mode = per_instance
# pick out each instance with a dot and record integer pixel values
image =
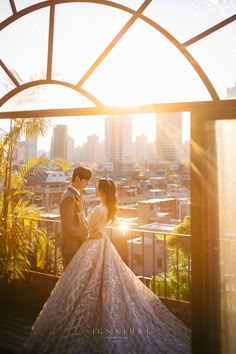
(73, 232)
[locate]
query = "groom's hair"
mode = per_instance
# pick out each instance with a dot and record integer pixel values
(82, 173)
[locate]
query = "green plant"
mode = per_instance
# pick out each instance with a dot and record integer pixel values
(175, 284)
(19, 232)
(19, 238)
(171, 288)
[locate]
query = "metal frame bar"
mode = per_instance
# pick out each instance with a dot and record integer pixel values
(217, 108)
(13, 6)
(50, 42)
(37, 83)
(209, 31)
(112, 44)
(9, 74)
(142, 256)
(197, 220)
(154, 261)
(177, 268)
(165, 255)
(204, 297)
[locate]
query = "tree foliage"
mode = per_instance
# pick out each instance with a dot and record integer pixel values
(175, 283)
(19, 232)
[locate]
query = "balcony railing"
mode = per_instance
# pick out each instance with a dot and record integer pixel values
(46, 189)
(161, 259)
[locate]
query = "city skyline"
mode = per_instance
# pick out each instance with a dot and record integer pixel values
(87, 126)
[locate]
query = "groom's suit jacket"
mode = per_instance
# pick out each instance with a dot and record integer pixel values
(74, 232)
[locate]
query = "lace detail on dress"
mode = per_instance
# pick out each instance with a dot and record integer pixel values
(97, 219)
(99, 306)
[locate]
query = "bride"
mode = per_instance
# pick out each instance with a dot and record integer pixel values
(100, 306)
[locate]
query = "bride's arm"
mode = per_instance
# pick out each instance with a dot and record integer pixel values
(94, 221)
(91, 222)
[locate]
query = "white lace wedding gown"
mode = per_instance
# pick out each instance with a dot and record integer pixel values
(99, 306)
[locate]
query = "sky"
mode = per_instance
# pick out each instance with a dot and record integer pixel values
(141, 125)
(142, 68)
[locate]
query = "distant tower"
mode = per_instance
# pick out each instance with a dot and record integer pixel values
(59, 142)
(141, 148)
(169, 137)
(70, 148)
(92, 148)
(231, 91)
(118, 142)
(31, 147)
(31, 143)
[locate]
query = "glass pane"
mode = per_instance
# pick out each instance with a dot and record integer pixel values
(5, 9)
(21, 4)
(82, 32)
(185, 19)
(46, 97)
(226, 156)
(130, 3)
(218, 62)
(4, 127)
(145, 67)
(5, 83)
(24, 45)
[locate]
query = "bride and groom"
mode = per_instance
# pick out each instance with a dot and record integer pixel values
(99, 305)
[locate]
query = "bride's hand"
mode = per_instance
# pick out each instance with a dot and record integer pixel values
(79, 205)
(95, 235)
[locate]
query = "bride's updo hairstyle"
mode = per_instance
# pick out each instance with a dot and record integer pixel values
(107, 187)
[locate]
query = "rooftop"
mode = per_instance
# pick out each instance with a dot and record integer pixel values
(155, 200)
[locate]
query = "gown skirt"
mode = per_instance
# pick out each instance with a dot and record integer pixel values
(100, 306)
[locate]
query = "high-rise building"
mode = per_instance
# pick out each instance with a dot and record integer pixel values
(59, 142)
(168, 137)
(92, 147)
(31, 147)
(18, 155)
(231, 91)
(141, 148)
(70, 148)
(118, 142)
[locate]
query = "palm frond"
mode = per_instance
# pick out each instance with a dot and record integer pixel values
(42, 244)
(18, 193)
(35, 126)
(30, 165)
(63, 165)
(24, 208)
